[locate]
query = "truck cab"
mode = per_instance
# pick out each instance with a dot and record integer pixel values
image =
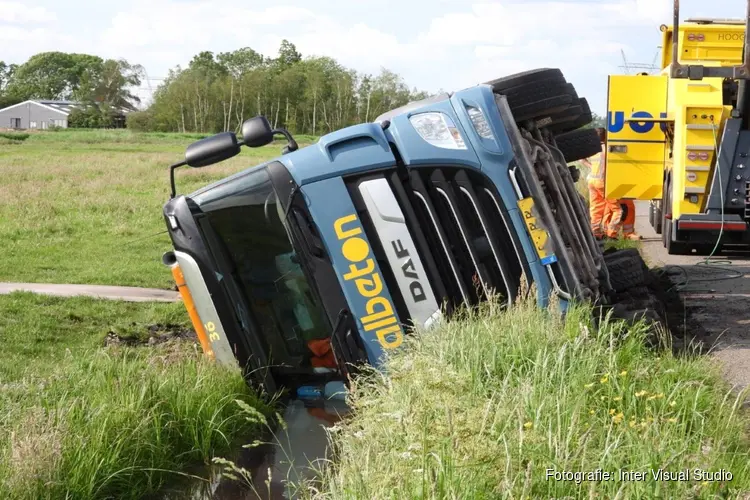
(304, 268)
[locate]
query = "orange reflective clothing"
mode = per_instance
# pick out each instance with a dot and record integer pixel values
(628, 218)
(607, 216)
(322, 353)
(602, 212)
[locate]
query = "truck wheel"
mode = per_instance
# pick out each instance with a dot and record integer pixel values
(673, 247)
(651, 214)
(665, 206)
(626, 269)
(657, 218)
(578, 144)
(583, 119)
(534, 94)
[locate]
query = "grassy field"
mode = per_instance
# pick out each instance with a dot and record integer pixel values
(487, 406)
(81, 419)
(85, 206)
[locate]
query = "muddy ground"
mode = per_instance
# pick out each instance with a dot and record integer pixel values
(716, 299)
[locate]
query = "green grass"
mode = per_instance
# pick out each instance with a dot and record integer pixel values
(483, 406)
(86, 206)
(78, 419)
(83, 421)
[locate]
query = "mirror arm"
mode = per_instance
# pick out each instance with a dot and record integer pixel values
(171, 177)
(292, 146)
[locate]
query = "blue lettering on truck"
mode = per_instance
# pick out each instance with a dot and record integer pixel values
(616, 122)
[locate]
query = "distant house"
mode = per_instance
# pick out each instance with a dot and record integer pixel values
(43, 114)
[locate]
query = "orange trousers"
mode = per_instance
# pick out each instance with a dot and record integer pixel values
(605, 214)
(609, 217)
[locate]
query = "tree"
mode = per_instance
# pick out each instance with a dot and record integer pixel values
(51, 75)
(237, 64)
(110, 84)
(288, 55)
(598, 121)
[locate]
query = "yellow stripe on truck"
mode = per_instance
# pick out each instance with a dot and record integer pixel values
(187, 299)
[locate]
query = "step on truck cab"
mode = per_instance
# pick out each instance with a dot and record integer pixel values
(681, 138)
(311, 264)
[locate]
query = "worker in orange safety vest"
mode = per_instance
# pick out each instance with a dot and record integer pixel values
(607, 216)
(601, 210)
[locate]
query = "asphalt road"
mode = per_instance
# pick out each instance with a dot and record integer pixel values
(126, 293)
(716, 296)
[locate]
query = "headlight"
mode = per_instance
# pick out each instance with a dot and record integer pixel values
(480, 122)
(438, 129)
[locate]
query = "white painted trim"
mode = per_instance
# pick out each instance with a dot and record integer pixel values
(38, 104)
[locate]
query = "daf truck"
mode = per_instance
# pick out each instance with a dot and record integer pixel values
(305, 267)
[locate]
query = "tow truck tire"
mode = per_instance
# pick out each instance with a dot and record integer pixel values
(673, 247)
(534, 94)
(578, 144)
(583, 118)
(651, 214)
(657, 219)
(626, 269)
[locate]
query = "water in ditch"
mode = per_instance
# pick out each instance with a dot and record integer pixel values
(290, 456)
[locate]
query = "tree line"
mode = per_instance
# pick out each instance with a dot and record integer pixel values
(312, 95)
(214, 93)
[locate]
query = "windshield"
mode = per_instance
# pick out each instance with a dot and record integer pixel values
(243, 225)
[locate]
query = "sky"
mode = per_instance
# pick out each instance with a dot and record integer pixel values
(433, 44)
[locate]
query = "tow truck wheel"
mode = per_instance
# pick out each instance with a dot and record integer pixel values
(665, 206)
(651, 214)
(578, 144)
(657, 217)
(673, 247)
(534, 94)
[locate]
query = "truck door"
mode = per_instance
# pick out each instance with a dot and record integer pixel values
(636, 139)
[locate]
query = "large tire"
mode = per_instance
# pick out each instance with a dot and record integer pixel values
(673, 247)
(584, 118)
(626, 269)
(534, 94)
(578, 144)
(657, 218)
(651, 214)
(570, 114)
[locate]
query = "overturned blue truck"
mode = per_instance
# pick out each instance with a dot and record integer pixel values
(303, 268)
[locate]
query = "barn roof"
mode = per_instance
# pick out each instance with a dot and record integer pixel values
(64, 107)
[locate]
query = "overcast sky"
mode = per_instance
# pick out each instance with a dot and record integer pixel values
(433, 44)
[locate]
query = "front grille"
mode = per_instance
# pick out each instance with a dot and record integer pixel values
(747, 200)
(459, 225)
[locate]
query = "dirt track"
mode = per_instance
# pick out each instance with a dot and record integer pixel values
(717, 302)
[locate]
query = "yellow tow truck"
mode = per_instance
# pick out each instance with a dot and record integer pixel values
(681, 140)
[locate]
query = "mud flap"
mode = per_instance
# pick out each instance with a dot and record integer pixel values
(636, 140)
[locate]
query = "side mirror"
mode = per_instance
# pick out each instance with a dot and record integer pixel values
(212, 149)
(257, 132)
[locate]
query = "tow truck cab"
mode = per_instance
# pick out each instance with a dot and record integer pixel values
(346, 243)
(680, 138)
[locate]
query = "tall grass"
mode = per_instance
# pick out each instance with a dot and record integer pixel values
(119, 423)
(78, 420)
(483, 406)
